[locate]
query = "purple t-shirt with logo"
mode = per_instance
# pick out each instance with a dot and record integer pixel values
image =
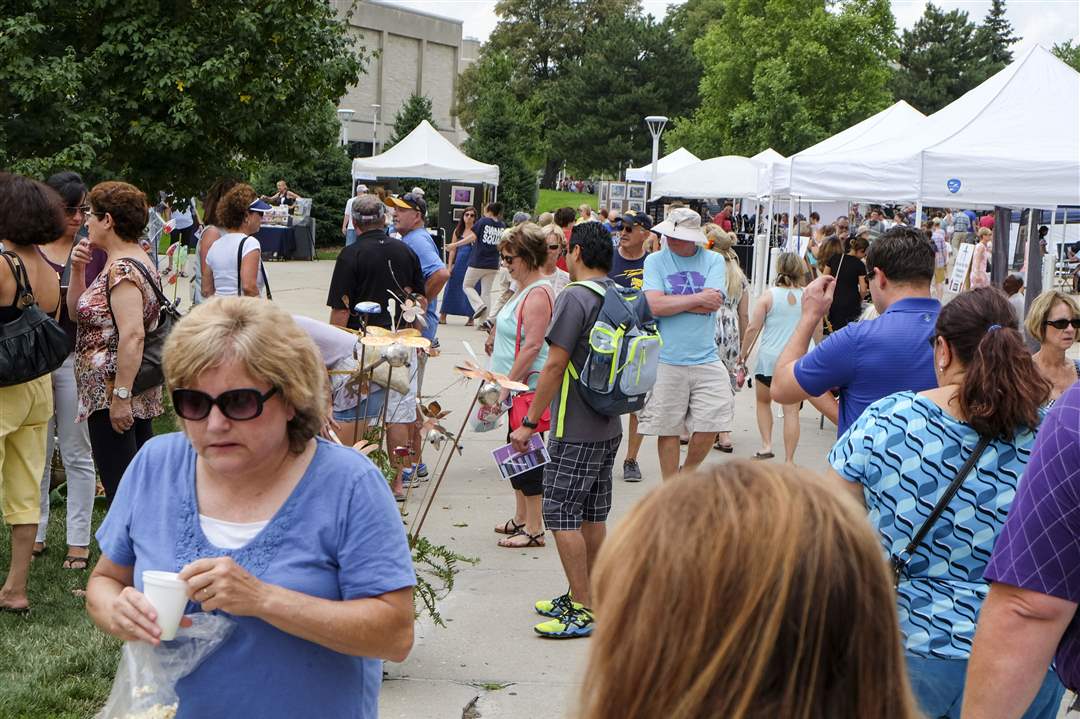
(1039, 547)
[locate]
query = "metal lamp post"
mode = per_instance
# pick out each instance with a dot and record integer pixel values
(656, 125)
(375, 129)
(345, 116)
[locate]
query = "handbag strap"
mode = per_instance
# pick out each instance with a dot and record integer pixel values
(24, 297)
(520, 309)
(163, 301)
(900, 564)
(262, 267)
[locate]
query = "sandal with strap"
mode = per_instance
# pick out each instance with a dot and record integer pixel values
(75, 563)
(510, 527)
(535, 540)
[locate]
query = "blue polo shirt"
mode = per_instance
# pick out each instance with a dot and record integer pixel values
(420, 242)
(873, 359)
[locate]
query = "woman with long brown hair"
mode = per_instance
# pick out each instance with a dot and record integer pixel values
(902, 454)
(784, 609)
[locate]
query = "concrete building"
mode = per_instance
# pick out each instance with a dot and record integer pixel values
(411, 52)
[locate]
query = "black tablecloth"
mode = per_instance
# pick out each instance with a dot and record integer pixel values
(285, 243)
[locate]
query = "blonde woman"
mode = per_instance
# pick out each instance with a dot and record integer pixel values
(1054, 320)
(980, 259)
(789, 639)
(732, 317)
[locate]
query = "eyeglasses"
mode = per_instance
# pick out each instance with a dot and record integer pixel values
(1062, 324)
(236, 404)
(72, 211)
(554, 247)
(508, 259)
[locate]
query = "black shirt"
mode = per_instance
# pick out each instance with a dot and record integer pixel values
(485, 253)
(628, 273)
(366, 271)
(847, 303)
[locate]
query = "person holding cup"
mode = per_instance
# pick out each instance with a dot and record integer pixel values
(296, 538)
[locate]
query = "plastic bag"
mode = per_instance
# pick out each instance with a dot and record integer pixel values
(485, 419)
(145, 684)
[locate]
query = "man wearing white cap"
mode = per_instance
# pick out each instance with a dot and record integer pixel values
(685, 285)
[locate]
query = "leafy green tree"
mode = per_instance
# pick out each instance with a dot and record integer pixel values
(1069, 53)
(499, 133)
(760, 87)
(994, 38)
(168, 96)
(940, 59)
(415, 110)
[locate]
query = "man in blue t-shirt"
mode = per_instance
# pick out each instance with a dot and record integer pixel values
(685, 284)
(484, 260)
(409, 213)
(866, 360)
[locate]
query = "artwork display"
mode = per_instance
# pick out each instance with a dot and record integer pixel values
(603, 194)
(460, 195)
(637, 192)
(618, 190)
(616, 207)
(635, 205)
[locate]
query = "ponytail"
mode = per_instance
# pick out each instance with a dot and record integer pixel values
(1002, 389)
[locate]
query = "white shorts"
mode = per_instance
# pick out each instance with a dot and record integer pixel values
(690, 398)
(402, 407)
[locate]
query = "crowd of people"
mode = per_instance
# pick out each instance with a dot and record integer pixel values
(955, 462)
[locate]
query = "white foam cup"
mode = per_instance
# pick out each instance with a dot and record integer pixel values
(168, 593)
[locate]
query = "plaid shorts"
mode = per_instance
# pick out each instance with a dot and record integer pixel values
(577, 483)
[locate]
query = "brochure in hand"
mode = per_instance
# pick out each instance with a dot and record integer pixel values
(512, 463)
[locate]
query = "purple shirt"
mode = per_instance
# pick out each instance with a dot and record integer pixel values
(1039, 547)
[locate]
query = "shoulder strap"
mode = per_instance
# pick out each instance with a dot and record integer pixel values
(900, 564)
(163, 301)
(262, 267)
(592, 285)
(24, 295)
(521, 308)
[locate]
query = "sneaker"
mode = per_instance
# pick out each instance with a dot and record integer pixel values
(421, 473)
(577, 622)
(631, 472)
(480, 313)
(555, 607)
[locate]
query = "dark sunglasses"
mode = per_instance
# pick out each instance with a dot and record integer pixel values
(236, 404)
(508, 258)
(554, 247)
(71, 211)
(1062, 324)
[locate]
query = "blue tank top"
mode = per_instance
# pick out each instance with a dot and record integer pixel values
(506, 336)
(779, 326)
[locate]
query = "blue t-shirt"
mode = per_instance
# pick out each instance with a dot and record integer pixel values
(485, 254)
(905, 451)
(689, 338)
(419, 240)
(628, 273)
(871, 359)
(338, 536)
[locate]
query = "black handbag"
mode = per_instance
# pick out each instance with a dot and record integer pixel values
(150, 372)
(900, 562)
(33, 344)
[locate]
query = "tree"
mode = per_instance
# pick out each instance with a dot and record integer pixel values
(168, 96)
(415, 110)
(1069, 53)
(761, 89)
(994, 39)
(940, 59)
(499, 132)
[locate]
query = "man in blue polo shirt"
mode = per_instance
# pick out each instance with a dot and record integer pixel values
(867, 360)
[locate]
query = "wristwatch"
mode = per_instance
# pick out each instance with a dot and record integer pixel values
(121, 393)
(526, 423)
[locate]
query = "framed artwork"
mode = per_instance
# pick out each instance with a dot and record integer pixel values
(616, 207)
(461, 195)
(458, 212)
(637, 192)
(635, 206)
(603, 193)
(618, 190)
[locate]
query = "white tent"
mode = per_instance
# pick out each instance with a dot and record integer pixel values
(727, 176)
(770, 159)
(895, 120)
(668, 163)
(424, 153)
(1013, 140)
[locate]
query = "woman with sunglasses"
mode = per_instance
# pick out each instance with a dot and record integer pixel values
(559, 277)
(899, 458)
(114, 314)
(295, 538)
(1054, 320)
(73, 437)
(459, 248)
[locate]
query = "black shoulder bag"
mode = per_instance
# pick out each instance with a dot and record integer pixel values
(150, 372)
(34, 343)
(262, 269)
(900, 562)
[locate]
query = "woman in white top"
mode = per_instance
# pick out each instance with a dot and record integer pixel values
(239, 214)
(207, 234)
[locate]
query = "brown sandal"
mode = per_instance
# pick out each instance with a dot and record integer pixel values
(535, 540)
(510, 527)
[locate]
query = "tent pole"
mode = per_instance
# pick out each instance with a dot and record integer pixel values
(918, 213)
(1050, 272)
(999, 255)
(791, 219)
(1034, 280)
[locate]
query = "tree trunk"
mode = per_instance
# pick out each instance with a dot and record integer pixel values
(551, 171)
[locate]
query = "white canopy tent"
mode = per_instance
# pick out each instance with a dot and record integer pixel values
(727, 176)
(426, 154)
(1012, 141)
(668, 163)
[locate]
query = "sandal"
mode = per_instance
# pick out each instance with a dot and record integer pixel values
(723, 447)
(535, 540)
(510, 527)
(763, 455)
(35, 553)
(76, 563)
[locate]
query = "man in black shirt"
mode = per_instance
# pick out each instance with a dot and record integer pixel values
(371, 268)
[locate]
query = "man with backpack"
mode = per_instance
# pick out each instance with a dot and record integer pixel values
(594, 321)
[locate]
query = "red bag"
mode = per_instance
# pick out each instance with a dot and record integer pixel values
(519, 406)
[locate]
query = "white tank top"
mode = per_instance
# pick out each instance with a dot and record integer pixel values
(221, 259)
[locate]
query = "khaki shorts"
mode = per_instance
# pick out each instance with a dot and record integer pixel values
(939, 275)
(692, 398)
(25, 411)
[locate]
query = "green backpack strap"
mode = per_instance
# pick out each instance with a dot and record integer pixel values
(571, 374)
(592, 285)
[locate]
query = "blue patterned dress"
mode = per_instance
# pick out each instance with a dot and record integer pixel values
(905, 450)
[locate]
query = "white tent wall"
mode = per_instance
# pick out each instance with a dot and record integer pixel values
(668, 163)
(424, 153)
(727, 176)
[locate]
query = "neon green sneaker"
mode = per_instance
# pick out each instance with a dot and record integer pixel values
(555, 607)
(574, 623)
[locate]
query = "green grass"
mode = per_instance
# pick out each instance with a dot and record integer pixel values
(328, 253)
(551, 200)
(55, 664)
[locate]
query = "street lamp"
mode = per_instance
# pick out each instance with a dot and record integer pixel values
(345, 116)
(656, 125)
(374, 128)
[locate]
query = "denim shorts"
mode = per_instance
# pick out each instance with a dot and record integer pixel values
(938, 685)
